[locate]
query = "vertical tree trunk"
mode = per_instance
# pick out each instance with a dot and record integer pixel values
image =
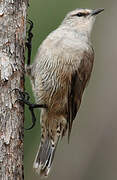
(12, 44)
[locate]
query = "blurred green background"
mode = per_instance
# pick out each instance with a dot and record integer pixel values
(91, 154)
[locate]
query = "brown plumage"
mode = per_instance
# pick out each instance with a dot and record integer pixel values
(59, 75)
(77, 85)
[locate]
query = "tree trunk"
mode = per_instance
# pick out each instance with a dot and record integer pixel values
(12, 46)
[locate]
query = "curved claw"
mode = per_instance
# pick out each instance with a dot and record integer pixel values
(30, 127)
(23, 95)
(15, 89)
(20, 100)
(29, 41)
(31, 25)
(19, 91)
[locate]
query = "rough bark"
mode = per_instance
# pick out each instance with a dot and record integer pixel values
(12, 44)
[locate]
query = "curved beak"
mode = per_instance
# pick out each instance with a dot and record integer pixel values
(96, 11)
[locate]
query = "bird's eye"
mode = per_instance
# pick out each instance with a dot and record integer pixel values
(80, 14)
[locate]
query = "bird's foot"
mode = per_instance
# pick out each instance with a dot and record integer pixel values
(29, 41)
(24, 98)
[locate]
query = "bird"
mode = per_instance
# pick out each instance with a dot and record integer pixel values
(59, 74)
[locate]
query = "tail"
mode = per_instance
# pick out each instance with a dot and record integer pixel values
(44, 158)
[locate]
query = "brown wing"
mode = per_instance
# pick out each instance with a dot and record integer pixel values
(76, 87)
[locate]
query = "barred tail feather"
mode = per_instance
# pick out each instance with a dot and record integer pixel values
(44, 158)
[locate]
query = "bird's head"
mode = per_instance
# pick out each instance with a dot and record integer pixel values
(81, 20)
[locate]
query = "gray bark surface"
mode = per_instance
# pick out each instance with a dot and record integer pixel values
(12, 46)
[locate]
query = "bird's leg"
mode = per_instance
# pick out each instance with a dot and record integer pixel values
(29, 41)
(24, 98)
